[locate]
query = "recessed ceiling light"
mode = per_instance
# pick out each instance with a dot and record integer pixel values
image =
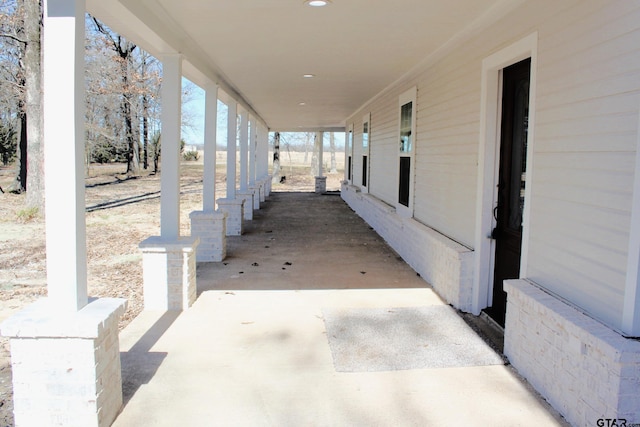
(308, 76)
(302, 104)
(317, 3)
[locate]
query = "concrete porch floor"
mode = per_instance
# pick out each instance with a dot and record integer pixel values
(253, 349)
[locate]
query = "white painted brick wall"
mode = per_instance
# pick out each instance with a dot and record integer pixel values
(263, 196)
(445, 264)
(256, 195)
(64, 375)
(321, 184)
(586, 370)
(268, 181)
(247, 198)
(210, 228)
(169, 273)
(234, 208)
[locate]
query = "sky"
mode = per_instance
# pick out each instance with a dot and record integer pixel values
(194, 109)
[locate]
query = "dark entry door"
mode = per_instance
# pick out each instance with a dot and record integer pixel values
(511, 182)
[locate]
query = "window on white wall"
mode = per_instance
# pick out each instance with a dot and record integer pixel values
(366, 133)
(406, 151)
(350, 154)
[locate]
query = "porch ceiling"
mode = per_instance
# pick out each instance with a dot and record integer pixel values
(259, 50)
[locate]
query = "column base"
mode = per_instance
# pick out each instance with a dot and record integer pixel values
(66, 366)
(584, 369)
(321, 184)
(247, 196)
(256, 195)
(263, 185)
(169, 273)
(268, 181)
(234, 208)
(210, 228)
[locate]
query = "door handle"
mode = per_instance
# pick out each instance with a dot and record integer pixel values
(495, 213)
(495, 233)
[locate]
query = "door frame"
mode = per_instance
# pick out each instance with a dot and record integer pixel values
(489, 164)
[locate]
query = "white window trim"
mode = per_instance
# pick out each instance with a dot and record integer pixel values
(488, 164)
(349, 152)
(366, 151)
(410, 95)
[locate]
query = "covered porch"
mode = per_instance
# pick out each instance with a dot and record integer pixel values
(314, 320)
(255, 336)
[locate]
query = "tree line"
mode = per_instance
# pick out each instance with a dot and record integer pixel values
(122, 98)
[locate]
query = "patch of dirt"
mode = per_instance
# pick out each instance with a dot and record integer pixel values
(121, 212)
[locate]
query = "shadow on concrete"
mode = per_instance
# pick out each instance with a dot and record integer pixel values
(139, 364)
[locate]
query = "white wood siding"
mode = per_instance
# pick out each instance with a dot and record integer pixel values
(384, 150)
(586, 136)
(587, 102)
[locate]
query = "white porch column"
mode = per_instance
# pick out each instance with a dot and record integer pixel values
(254, 185)
(245, 193)
(64, 133)
(253, 142)
(65, 333)
(263, 160)
(232, 145)
(168, 260)
(244, 150)
(321, 181)
(209, 225)
(232, 205)
(170, 121)
(210, 139)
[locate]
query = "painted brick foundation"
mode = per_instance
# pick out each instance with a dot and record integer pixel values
(267, 185)
(234, 208)
(586, 370)
(443, 263)
(66, 366)
(247, 197)
(169, 273)
(321, 184)
(256, 189)
(211, 229)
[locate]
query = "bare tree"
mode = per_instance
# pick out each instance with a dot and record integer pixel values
(308, 137)
(276, 158)
(21, 31)
(332, 146)
(34, 114)
(315, 167)
(124, 50)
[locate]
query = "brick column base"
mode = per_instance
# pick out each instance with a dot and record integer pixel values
(321, 184)
(211, 228)
(256, 196)
(234, 208)
(247, 196)
(66, 366)
(169, 273)
(268, 183)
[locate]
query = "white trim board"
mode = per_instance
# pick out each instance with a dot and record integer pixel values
(488, 163)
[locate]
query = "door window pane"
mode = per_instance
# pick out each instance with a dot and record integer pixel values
(365, 135)
(405, 177)
(406, 112)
